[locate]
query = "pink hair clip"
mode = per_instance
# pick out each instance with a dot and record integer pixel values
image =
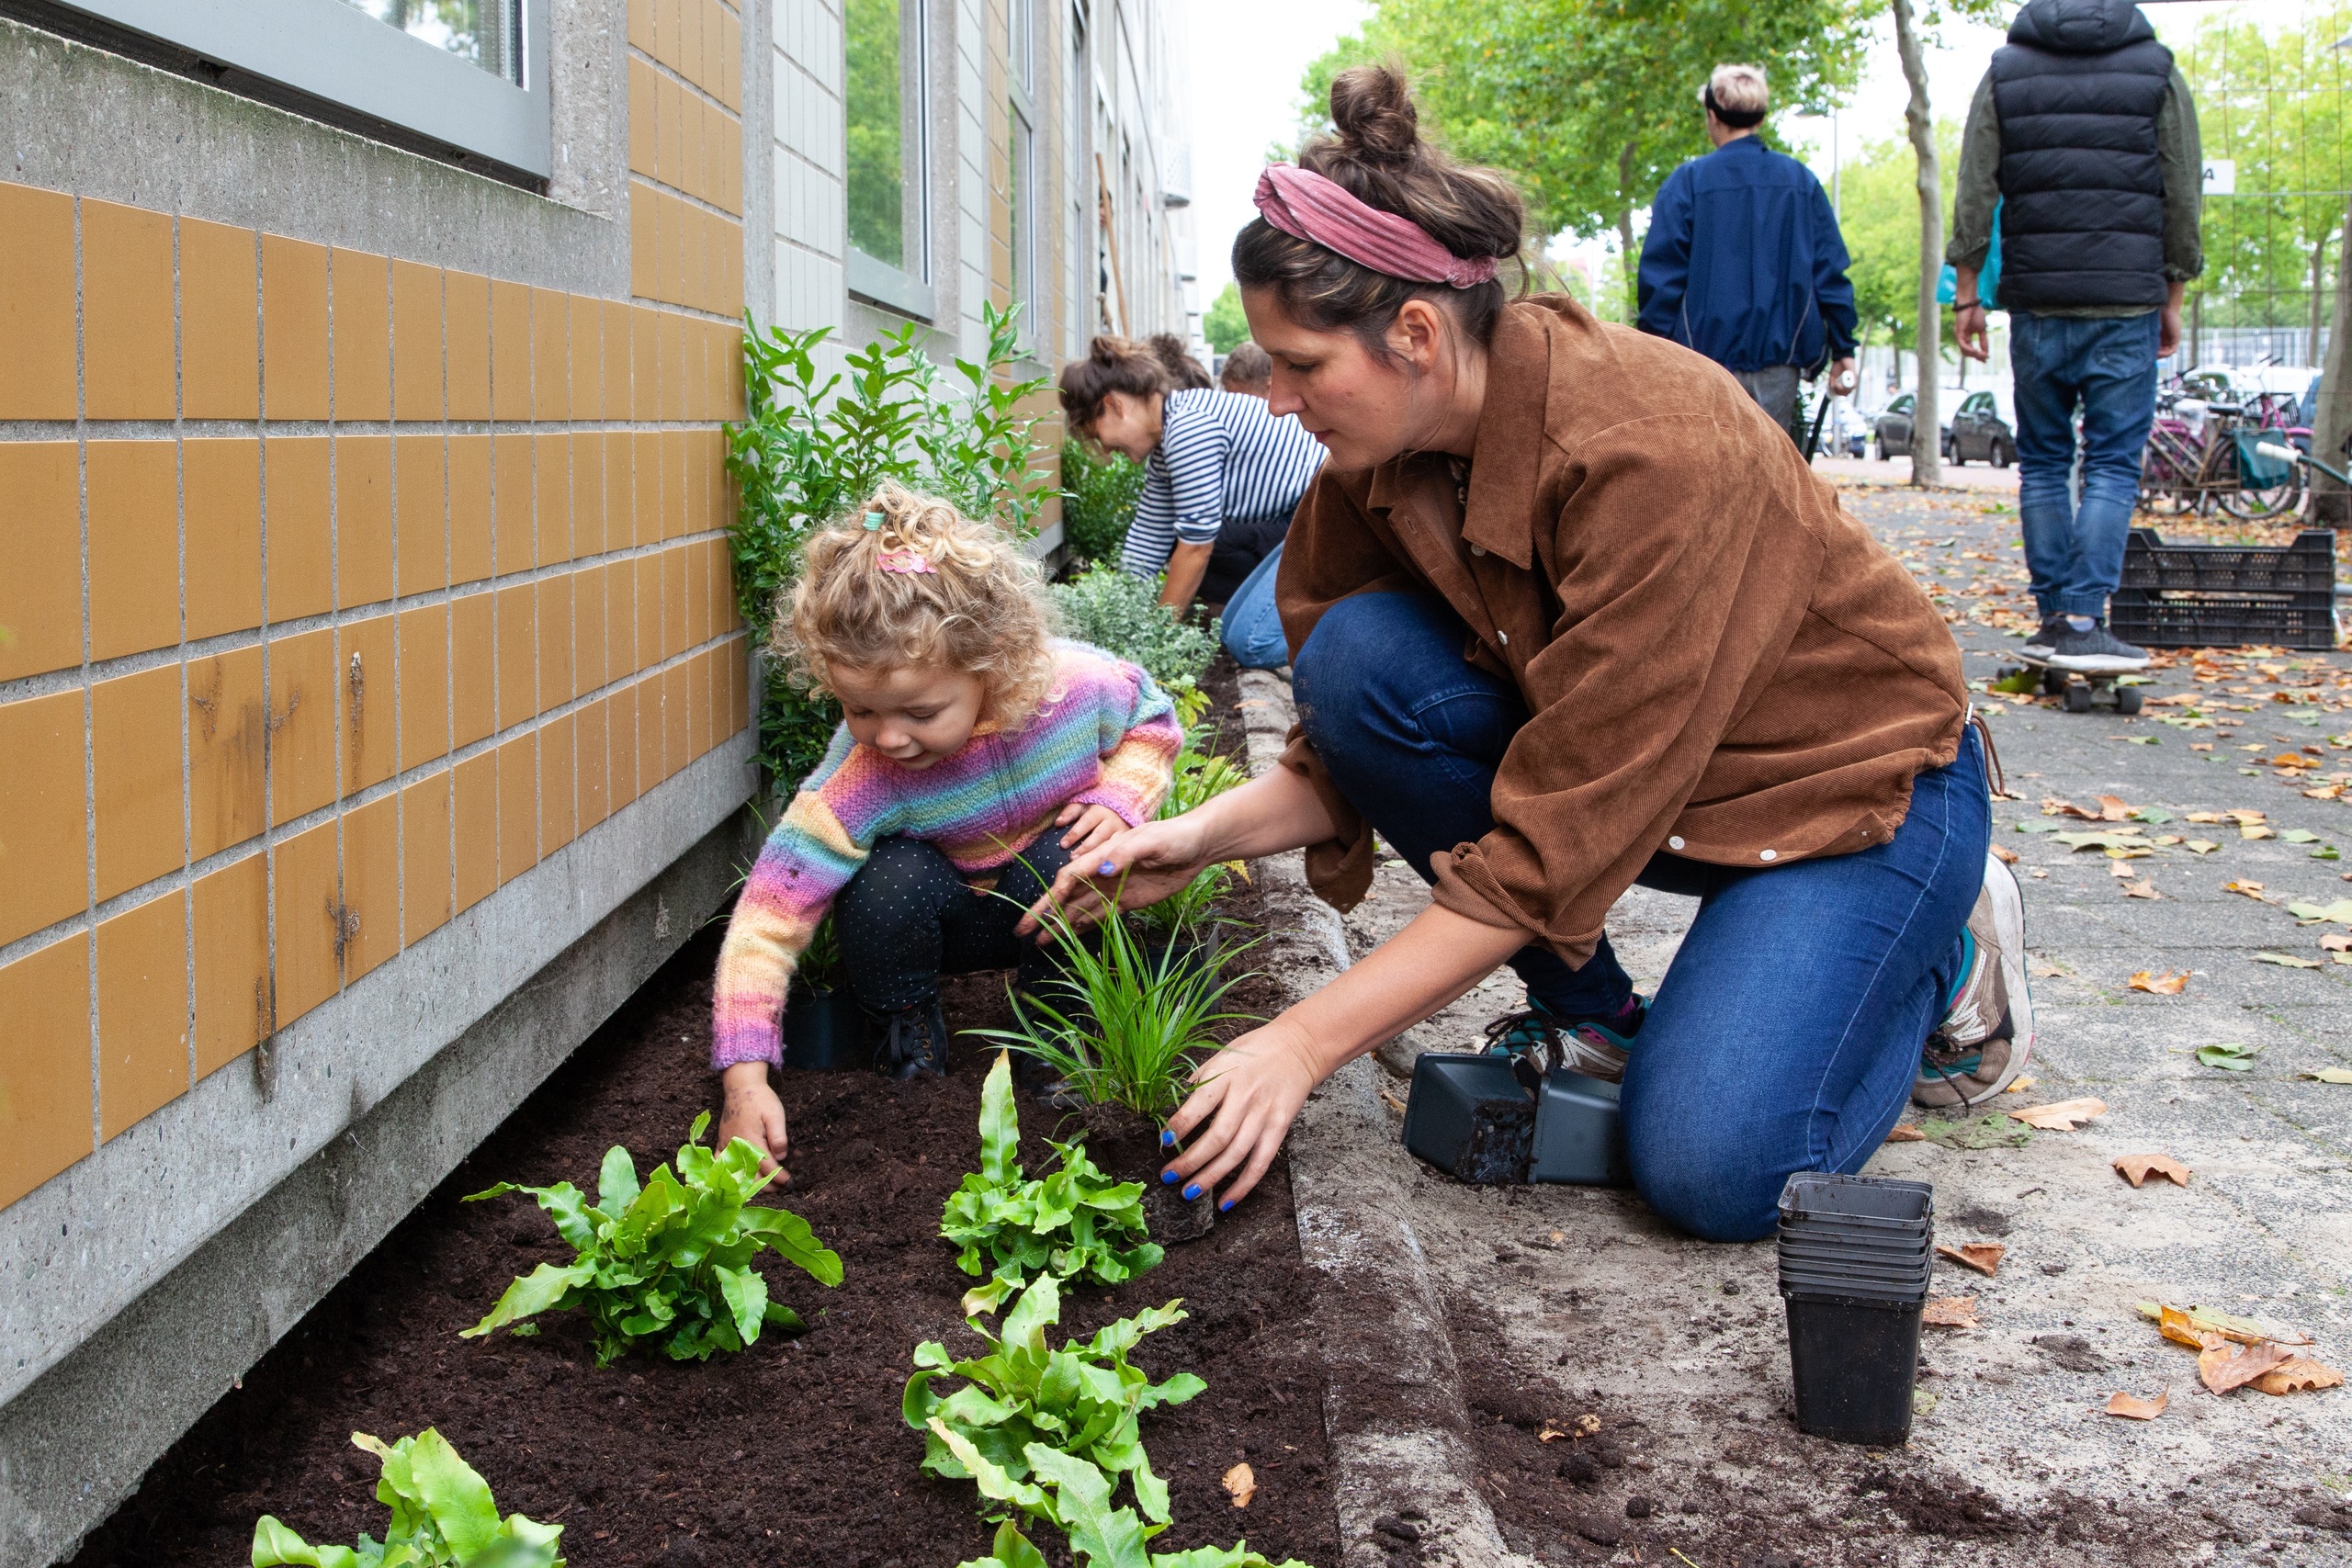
(905, 562)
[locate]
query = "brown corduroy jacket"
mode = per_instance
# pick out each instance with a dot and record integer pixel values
(1719, 660)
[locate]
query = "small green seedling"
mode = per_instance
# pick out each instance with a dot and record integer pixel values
(1075, 1497)
(1083, 1402)
(668, 1263)
(443, 1516)
(1075, 1223)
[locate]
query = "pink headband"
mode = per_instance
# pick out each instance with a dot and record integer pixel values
(1304, 205)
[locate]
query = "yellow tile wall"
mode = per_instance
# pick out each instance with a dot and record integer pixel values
(502, 497)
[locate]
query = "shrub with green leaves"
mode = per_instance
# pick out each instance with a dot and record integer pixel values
(443, 1516)
(667, 1263)
(1121, 614)
(1075, 1223)
(1084, 1401)
(813, 445)
(1125, 1022)
(1200, 775)
(1100, 490)
(1074, 1496)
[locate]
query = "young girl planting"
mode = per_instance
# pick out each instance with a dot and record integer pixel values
(969, 734)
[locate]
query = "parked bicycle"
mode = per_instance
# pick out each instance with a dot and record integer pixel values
(2205, 451)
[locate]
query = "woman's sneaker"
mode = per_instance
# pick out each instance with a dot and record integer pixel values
(1987, 1030)
(1591, 1046)
(914, 1043)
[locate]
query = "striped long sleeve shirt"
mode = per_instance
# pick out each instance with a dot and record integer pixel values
(1222, 457)
(1105, 735)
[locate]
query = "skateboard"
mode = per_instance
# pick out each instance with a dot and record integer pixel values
(2078, 690)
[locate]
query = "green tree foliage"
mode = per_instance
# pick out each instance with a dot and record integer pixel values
(1226, 326)
(1100, 488)
(1590, 103)
(874, 129)
(2278, 100)
(1879, 198)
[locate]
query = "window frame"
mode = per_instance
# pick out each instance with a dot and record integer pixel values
(904, 290)
(1023, 145)
(331, 62)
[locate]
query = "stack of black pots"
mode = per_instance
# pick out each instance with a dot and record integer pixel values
(1855, 1255)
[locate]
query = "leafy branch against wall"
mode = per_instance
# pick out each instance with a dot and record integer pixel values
(1100, 490)
(813, 444)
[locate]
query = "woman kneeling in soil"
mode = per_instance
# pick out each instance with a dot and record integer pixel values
(1569, 613)
(968, 736)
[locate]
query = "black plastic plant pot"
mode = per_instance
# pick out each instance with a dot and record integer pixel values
(1470, 1116)
(1811, 1194)
(1854, 1362)
(823, 1030)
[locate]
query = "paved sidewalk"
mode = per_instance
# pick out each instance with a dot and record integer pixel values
(1957, 476)
(1557, 1303)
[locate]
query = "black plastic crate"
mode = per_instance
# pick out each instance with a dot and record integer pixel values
(2227, 596)
(2305, 567)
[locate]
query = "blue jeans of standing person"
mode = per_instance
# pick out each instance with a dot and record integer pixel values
(1253, 629)
(1786, 1033)
(2107, 366)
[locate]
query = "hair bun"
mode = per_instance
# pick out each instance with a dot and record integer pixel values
(1372, 111)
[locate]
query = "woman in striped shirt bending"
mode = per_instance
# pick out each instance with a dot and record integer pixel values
(1222, 476)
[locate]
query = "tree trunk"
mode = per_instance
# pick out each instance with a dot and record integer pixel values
(2331, 502)
(1927, 429)
(1626, 234)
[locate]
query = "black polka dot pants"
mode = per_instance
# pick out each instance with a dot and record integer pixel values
(908, 917)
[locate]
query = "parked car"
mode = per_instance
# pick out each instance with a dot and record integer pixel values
(1977, 429)
(1892, 428)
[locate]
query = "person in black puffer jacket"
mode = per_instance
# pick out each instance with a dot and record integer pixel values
(2084, 135)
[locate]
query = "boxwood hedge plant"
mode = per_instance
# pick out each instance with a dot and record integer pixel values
(442, 1514)
(1083, 1401)
(667, 1263)
(1074, 1223)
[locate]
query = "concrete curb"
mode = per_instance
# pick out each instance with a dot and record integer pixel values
(1378, 1312)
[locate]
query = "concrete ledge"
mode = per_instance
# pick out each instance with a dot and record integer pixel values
(1376, 1308)
(77, 1442)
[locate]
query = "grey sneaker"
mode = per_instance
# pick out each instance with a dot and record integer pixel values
(1588, 1047)
(2039, 645)
(1986, 1036)
(2094, 652)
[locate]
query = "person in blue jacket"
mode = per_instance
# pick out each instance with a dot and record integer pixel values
(1743, 261)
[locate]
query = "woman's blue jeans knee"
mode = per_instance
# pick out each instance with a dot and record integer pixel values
(1787, 1032)
(1253, 627)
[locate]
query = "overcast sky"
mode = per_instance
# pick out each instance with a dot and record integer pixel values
(1247, 57)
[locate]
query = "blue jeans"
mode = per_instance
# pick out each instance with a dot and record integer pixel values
(1253, 629)
(2108, 365)
(1787, 1032)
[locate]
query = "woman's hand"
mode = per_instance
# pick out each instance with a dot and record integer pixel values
(1250, 1093)
(1138, 867)
(752, 1111)
(1095, 827)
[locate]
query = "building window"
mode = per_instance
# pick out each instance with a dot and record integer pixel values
(1021, 159)
(889, 262)
(486, 33)
(461, 80)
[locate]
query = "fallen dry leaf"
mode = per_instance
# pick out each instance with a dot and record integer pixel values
(1899, 1133)
(2329, 1074)
(2182, 1328)
(2170, 983)
(2222, 1368)
(2246, 819)
(2137, 1168)
(2063, 1117)
(2336, 941)
(2143, 888)
(2298, 1372)
(2023, 1085)
(2009, 856)
(2255, 830)
(1240, 1484)
(2186, 1324)
(1984, 1257)
(1950, 1311)
(2204, 815)
(2121, 869)
(2251, 889)
(2043, 969)
(2111, 809)
(2131, 1407)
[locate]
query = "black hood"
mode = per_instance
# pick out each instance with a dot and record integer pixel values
(2080, 27)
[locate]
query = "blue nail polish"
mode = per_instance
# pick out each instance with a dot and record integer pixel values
(1107, 868)
(1221, 1208)
(1192, 1191)
(1168, 1179)
(1166, 1139)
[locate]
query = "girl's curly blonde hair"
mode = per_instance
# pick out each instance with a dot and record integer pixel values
(978, 608)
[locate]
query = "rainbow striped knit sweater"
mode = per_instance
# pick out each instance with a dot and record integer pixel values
(1105, 735)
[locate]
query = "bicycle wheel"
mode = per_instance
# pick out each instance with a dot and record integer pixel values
(2255, 505)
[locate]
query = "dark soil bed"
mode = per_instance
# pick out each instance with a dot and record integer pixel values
(793, 1452)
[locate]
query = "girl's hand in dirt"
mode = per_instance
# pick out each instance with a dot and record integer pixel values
(1096, 825)
(752, 1111)
(1234, 1123)
(1138, 867)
